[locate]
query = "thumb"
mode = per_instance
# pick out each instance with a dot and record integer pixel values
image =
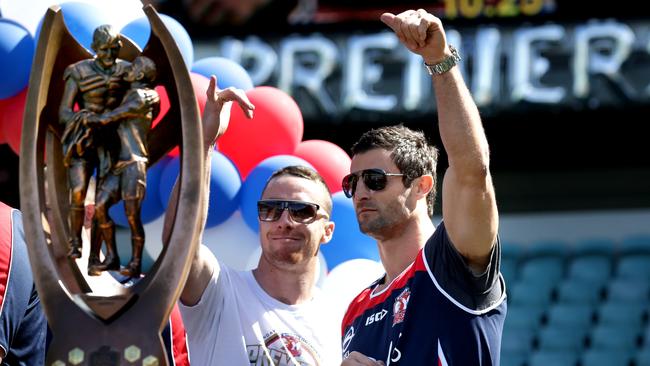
(388, 19)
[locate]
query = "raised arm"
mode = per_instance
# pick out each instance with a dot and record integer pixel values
(216, 117)
(469, 205)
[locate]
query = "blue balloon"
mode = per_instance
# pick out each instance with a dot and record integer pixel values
(81, 19)
(167, 180)
(151, 206)
(225, 183)
(348, 242)
(124, 250)
(139, 31)
(228, 72)
(251, 190)
(16, 54)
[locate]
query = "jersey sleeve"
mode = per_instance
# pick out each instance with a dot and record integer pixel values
(477, 291)
(22, 322)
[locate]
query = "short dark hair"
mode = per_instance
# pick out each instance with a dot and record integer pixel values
(105, 34)
(147, 67)
(306, 173)
(410, 151)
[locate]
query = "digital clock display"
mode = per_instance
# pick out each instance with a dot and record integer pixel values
(470, 9)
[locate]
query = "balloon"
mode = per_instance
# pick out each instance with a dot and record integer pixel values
(151, 206)
(3, 139)
(16, 54)
(233, 243)
(332, 162)
(11, 119)
(29, 13)
(153, 243)
(348, 242)
(123, 241)
(164, 108)
(139, 31)
(81, 19)
(321, 273)
(347, 280)
(276, 129)
(225, 183)
(167, 180)
(164, 104)
(200, 85)
(251, 190)
(228, 72)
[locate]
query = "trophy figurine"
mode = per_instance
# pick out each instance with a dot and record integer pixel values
(89, 119)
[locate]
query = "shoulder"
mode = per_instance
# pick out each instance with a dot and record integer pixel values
(121, 67)
(358, 305)
(77, 69)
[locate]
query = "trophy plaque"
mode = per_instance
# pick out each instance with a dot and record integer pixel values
(88, 119)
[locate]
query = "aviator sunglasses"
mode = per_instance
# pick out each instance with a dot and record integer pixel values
(299, 211)
(374, 179)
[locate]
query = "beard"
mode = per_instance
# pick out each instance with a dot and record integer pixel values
(384, 221)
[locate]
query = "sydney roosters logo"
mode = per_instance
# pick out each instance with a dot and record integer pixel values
(399, 307)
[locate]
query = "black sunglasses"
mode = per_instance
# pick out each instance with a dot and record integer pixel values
(299, 211)
(374, 179)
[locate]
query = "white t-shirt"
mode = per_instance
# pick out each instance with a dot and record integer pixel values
(237, 323)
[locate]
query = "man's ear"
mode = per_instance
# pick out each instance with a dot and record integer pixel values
(423, 185)
(329, 231)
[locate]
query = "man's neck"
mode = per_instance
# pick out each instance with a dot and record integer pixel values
(287, 286)
(400, 250)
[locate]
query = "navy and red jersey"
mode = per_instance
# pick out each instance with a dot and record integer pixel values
(436, 312)
(23, 327)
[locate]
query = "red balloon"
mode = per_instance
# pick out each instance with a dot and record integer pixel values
(276, 129)
(3, 140)
(200, 85)
(332, 162)
(12, 119)
(164, 104)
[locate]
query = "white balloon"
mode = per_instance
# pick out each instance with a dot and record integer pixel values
(321, 271)
(347, 280)
(234, 243)
(29, 13)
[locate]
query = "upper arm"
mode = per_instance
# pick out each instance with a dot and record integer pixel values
(470, 214)
(70, 91)
(204, 267)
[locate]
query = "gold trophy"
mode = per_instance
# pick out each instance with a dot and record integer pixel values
(88, 118)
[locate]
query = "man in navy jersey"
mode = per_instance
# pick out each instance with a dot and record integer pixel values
(23, 327)
(442, 300)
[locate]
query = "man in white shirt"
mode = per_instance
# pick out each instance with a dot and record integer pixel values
(270, 315)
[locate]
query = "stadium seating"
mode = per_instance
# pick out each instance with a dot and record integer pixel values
(580, 304)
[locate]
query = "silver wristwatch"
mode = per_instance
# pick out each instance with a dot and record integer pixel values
(446, 64)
